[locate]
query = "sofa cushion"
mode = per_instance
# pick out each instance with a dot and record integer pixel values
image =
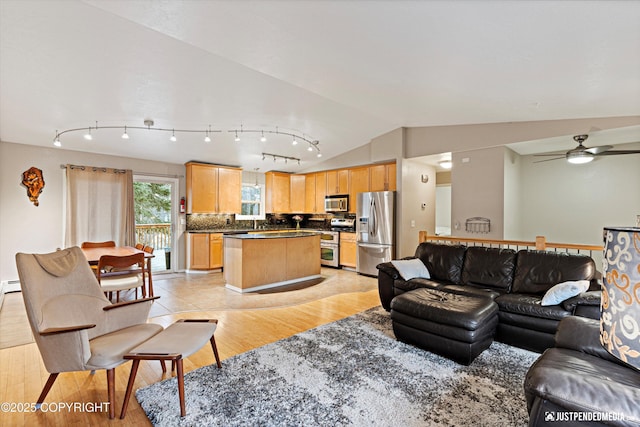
(470, 291)
(416, 283)
(489, 267)
(410, 268)
(538, 271)
(444, 262)
(529, 305)
(563, 291)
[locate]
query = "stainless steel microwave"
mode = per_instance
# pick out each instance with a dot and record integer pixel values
(337, 203)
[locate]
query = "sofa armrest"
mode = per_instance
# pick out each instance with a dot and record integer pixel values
(589, 298)
(583, 335)
(389, 269)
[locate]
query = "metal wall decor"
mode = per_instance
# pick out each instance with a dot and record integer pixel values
(34, 181)
(477, 224)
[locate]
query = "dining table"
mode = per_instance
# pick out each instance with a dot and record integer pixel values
(93, 257)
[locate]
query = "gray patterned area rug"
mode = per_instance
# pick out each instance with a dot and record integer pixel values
(350, 372)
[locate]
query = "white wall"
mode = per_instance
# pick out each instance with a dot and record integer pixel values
(443, 207)
(512, 195)
(477, 190)
(414, 217)
(39, 229)
(572, 203)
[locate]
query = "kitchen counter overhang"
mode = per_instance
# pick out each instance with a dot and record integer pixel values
(257, 261)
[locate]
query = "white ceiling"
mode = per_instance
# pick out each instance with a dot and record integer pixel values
(341, 72)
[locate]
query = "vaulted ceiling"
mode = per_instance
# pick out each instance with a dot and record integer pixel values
(339, 72)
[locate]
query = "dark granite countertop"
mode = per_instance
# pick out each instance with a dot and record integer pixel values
(245, 231)
(256, 234)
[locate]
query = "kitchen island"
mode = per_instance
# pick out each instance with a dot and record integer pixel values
(257, 261)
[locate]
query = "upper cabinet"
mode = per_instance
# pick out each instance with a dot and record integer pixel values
(310, 193)
(278, 191)
(213, 189)
(382, 177)
(321, 191)
(358, 183)
(337, 182)
(297, 198)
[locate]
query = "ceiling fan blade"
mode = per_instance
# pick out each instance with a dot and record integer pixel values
(549, 154)
(613, 153)
(546, 160)
(600, 149)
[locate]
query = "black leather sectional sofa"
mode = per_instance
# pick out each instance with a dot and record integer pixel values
(515, 280)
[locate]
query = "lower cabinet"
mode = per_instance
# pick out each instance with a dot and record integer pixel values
(348, 249)
(205, 251)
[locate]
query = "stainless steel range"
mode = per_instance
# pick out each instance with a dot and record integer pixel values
(330, 241)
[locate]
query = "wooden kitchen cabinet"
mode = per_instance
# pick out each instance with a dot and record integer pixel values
(321, 191)
(358, 183)
(205, 251)
(310, 193)
(382, 177)
(213, 189)
(298, 192)
(337, 182)
(216, 244)
(199, 251)
(278, 192)
(348, 249)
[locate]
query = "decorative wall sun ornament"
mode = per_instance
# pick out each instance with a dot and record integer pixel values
(34, 181)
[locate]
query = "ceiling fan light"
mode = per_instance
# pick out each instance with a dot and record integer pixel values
(579, 157)
(446, 164)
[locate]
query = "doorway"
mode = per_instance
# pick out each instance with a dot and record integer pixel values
(155, 200)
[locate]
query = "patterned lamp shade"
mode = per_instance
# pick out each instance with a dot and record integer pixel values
(620, 309)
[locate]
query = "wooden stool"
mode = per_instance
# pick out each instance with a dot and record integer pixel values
(179, 340)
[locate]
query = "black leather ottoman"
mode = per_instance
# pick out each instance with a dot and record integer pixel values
(458, 327)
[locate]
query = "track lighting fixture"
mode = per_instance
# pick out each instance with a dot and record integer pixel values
(149, 125)
(278, 156)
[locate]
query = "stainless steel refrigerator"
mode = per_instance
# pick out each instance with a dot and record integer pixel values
(375, 230)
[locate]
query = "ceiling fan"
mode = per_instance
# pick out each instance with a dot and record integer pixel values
(582, 154)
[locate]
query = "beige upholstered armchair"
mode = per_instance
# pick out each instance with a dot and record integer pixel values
(74, 325)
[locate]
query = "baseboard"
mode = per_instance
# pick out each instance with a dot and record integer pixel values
(7, 286)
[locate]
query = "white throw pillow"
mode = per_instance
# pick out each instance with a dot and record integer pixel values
(410, 268)
(563, 291)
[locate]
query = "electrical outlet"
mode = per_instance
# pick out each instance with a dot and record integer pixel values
(413, 223)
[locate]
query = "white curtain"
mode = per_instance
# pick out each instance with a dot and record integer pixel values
(100, 206)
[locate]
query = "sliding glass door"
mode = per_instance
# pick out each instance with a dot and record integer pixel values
(156, 199)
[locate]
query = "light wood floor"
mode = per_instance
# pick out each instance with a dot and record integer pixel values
(240, 329)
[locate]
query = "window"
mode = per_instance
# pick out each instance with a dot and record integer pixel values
(252, 202)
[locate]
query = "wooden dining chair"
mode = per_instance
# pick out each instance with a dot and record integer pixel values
(119, 273)
(139, 246)
(107, 244)
(148, 249)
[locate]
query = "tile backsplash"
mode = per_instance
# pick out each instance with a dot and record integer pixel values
(200, 222)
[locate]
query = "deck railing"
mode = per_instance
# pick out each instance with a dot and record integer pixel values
(540, 243)
(154, 235)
